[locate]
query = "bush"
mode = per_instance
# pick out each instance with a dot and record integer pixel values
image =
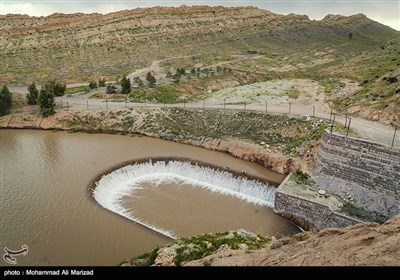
(5, 101)
(32, 95)
(111, 89)
(56, 88)
(102, 82)
(151, 79)
(138, 81)
(46, 102)
(92, 85)
(300, 177)
(180, 71)
(126, 85)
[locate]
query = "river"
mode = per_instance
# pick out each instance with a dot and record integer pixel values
(45, 201)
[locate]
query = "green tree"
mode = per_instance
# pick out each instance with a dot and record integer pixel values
(46, 102)
(126, 85)
(92, 85)
(193, 71)
(56, 88)
(102, 82)
(151, 79)
(32, 95)
(5, 101)
(180, 71)
(111, 89)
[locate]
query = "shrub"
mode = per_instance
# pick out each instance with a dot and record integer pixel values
(32, 95)
(5, 101)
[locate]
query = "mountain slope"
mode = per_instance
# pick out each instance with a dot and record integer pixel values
(80, 47)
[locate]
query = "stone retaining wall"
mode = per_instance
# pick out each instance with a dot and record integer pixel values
(308, 214)
(364, 173)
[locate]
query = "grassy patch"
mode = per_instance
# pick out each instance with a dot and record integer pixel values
(81, 89)
(293, 93)
(161, 94)
(200, 246)
(300, 177)
(146, 259)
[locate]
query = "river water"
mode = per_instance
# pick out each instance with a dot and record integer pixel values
(45, 201)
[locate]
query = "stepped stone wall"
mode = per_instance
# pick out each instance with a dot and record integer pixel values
(365, 174)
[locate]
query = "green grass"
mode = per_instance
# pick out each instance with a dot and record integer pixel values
(80, 89)
(293, 93)
(167, 93)
(300, 177)
(200, 246)
(146, 259)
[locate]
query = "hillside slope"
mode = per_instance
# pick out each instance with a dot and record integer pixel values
(79, 47)
(359, 245)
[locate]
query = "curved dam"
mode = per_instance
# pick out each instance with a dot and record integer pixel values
(46, 203)
(113, 190)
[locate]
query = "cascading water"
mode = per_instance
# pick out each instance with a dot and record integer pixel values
(111, 188)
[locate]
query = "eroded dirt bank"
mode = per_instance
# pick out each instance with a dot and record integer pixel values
(279, 142)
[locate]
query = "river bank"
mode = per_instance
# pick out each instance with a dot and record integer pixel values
(280, 142)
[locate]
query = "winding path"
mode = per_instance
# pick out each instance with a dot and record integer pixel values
(370, 130)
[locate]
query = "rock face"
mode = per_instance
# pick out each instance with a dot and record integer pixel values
(358, 245)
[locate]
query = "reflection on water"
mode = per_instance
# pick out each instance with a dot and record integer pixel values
(45, 202)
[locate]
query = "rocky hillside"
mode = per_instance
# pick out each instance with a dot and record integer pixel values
(79, 47)
(359, 245)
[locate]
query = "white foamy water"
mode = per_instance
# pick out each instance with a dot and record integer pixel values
(111, 188)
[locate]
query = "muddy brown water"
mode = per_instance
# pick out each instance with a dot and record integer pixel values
(45, 201)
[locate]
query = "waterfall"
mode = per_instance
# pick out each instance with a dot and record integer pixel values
(111, 188)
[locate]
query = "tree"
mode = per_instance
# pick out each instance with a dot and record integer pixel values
(126, 85)
(219, 69)
(46, 102)
(56, 88)
(5, 101)
(102, 82)
(151, 79)
(32, 95)
(193, 71)
(111, 89)
(92, 85)
(180, 71)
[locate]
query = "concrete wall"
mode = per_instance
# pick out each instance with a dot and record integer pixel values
(308, 214)
(367, 174)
